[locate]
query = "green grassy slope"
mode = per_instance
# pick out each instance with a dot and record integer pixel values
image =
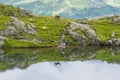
(104, 28)
(48, 37)
(53, 28)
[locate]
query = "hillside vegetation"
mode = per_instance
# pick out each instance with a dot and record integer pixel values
(48, 31)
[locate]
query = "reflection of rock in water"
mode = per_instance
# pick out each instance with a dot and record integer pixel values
(80, 53)
(57, 63)
(19, 59)
(110, 54)
(2, 53)
(23, 58)
(114, 48)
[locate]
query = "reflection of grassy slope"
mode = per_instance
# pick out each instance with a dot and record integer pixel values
(107, 55)
(22, 58)
(2, 66)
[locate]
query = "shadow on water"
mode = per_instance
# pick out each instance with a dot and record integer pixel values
(22, 58)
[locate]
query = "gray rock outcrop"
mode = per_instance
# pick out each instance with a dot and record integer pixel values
(30, 28)
(17, 27)
(83, 34)
(27, 13)
(115, 42)
(117, 19)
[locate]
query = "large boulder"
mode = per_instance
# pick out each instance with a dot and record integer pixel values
(91, 34)
(83, 33)
(75, 25)
(79, 38)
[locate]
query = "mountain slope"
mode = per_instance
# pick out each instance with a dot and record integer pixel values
(74, 9)
(115, 3)
(21, 28)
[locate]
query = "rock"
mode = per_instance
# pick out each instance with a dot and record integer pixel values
(2, 52)
(2, 40)
(35, 40)
(8, 32)
(79, 38)
(19, 25)
(30, 29)
(113, 34)
(44, 27)
(117, 19)
(27, 13)
(11, 31)
(83, 34)
(91, 34)
(75, 25)
(115, 42)
(93, 37)
(16, 28)
(62, 41)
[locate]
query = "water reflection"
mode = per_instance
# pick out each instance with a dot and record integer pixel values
(23, 58)
(75, 70)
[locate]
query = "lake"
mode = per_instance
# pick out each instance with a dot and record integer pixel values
(74, 63)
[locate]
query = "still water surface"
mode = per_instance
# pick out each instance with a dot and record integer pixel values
(60, 64)
(87, 70)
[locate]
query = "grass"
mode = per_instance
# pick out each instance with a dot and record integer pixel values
(3, 20)
(105, 27)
